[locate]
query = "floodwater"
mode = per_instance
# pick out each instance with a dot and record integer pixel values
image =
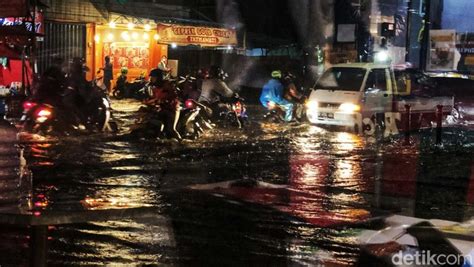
(269, 194)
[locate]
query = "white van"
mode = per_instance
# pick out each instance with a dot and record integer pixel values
(360, 95)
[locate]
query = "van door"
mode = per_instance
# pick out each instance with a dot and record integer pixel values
(377, 97)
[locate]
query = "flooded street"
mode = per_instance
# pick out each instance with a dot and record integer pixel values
(270, 194)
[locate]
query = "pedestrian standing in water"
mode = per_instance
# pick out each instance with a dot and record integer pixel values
(108, 74)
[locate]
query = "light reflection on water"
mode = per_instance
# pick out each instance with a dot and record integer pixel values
(326, 179)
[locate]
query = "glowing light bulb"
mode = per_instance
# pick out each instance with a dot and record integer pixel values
(110, 37)
(97, 38)
(174, 45)
(147, 27)
(112, 24)
(130, 25)
(156, 37)
(146, 36)
(125, 36)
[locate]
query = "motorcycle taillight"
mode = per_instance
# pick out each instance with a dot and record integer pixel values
(189, 103)
(237, 107)
(27, 105)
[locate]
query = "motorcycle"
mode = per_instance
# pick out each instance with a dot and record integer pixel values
(138, 89)
(229, 112)
(151, 121)
(188, 88)
(276, 114)
(298, 97)
(41, 117)
(191, 123)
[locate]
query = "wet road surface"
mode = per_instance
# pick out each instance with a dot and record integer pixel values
(270, 194)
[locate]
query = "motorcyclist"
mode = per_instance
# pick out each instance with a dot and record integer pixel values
(213, 88)
(293, 95)
(166, 100)
(78, 92)
(52, 84)
(121, 83)
(273, 96)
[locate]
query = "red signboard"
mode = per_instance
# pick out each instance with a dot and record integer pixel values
(15, 8)
(194, 35)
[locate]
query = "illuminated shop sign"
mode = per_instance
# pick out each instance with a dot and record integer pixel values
(11, 21)
(194, 35)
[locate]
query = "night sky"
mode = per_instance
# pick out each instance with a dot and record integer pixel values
(271, 18)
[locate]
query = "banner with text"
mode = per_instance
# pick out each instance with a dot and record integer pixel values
(195, 35)
(443, 53)
(25, 21)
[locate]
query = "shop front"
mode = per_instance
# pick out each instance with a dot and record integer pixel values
(135, 48)
(139, 48)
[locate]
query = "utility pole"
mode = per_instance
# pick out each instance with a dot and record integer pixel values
(408, 30)
(426, 36)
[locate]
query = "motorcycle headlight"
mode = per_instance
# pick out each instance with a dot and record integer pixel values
(44, 113)
(349, 107)
(312, 105)
(271, 105)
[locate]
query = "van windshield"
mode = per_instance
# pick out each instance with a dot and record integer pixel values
(342, 79)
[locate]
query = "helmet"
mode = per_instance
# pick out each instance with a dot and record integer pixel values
(276, 74)
(156, 73)
(124, 70)
(78, 65)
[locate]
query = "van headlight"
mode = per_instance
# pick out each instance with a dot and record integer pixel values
(312, 105)
(349, 107)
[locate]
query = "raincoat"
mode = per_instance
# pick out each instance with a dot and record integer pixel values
(273, 92)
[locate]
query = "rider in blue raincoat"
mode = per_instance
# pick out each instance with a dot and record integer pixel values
(272, 96)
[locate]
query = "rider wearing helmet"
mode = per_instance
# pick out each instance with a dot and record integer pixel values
(214, 87)
(272, 95)
(121, 83)
(166, 100)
